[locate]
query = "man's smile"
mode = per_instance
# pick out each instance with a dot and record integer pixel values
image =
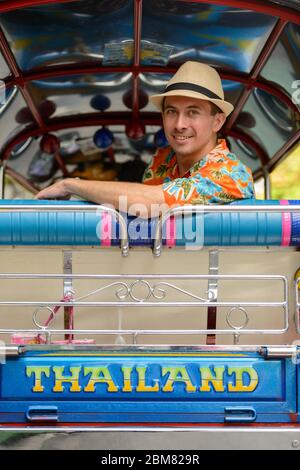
(181, 138)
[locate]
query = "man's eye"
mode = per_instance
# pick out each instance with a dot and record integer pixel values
(193, 112)
(170, 111)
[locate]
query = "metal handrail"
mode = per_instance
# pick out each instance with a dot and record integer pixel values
(157, 245)
(124, 242)
(297, 304)
(203, 209)
(136, 302)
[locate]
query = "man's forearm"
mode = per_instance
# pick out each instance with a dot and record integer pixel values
(121, 195)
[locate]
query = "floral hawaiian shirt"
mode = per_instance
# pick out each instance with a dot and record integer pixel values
(217, 178)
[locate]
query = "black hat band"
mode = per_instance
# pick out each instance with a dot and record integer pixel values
(193, 87)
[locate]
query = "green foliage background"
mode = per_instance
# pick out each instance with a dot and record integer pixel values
(285, 179)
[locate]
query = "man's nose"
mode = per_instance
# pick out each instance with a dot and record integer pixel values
(181, 121)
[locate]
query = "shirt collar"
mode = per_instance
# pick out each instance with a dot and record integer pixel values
(220, 148)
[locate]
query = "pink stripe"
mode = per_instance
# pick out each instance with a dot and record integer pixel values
(171, 232)
(286, 225)
(74, 341)
(27, 338)
(106, 229)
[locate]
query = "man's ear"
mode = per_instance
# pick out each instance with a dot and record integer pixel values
(220, 118)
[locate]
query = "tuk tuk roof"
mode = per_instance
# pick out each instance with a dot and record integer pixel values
(71, 67)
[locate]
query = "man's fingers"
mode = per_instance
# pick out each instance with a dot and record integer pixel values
(55, 191)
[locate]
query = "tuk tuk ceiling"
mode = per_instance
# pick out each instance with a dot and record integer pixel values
(84, 64)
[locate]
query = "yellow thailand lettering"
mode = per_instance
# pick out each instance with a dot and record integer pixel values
(141, 386)
(177, 374)
(73, 379)
(239, 384)
(37, 372)
(127, 379)
(216, 379)
(99, 375)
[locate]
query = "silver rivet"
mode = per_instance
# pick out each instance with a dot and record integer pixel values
(295, 443)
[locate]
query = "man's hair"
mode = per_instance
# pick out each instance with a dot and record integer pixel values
(214, 109)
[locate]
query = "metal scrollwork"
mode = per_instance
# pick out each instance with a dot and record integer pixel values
(158, 291)
(123, 292)
(140, 282)
(178, 289)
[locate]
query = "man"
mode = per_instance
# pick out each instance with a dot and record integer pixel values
(196, 168)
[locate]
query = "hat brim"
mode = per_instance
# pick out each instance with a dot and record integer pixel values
(157, 100)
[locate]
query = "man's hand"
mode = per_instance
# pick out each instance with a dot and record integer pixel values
(55, 191)
(135, 198)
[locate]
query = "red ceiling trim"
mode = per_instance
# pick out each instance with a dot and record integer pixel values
(295, 139)
(61, 164)
(21, 179)
(256, 69)
(138, 8)
(265, 85)
(237, 109)
(10, 5)
(33, 109)
(78, 120)
(239, 134)
(113, 118)
(277, 158)
(59, 71)
(17, 75)
(8, 56)
(268, 48)
(53, 71)
(285, 13)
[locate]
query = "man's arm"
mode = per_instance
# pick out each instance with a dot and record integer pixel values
(133, 198)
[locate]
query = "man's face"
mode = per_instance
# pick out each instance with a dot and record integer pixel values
(189, 125)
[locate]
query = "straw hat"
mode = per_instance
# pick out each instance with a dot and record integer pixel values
(195, 80)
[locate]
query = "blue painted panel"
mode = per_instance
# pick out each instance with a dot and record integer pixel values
(79, 228)
(148, 387)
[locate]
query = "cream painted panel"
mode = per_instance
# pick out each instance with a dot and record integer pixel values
(109, 261)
